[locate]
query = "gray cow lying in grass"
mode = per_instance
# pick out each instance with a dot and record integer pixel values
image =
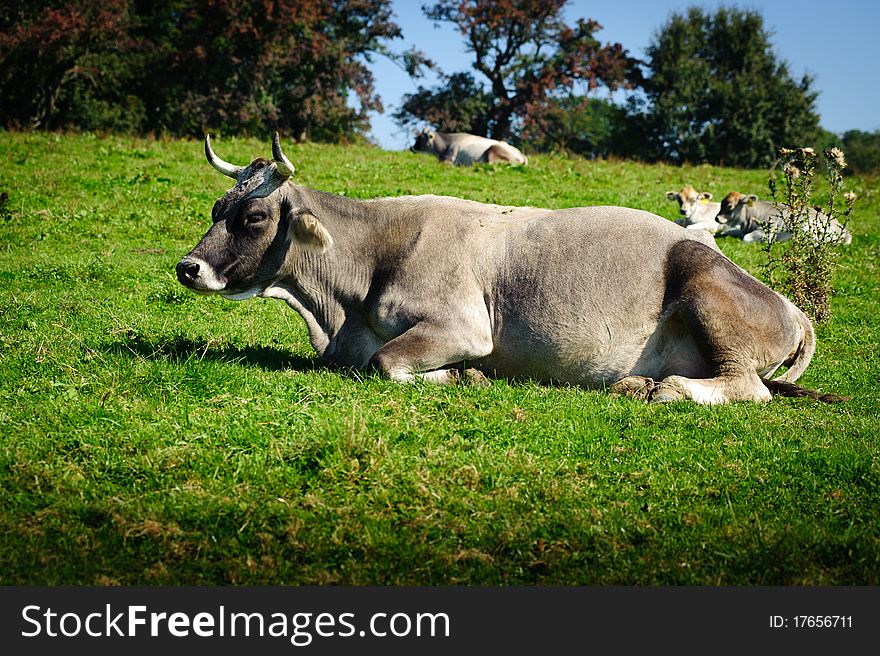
(467, 149)
(420, 287)
(747, 217)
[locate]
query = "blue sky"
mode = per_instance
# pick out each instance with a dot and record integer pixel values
(836, 41)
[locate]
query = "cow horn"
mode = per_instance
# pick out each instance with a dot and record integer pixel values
(285, 166)
(224, 167)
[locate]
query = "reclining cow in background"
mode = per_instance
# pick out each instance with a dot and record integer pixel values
(466, 149)
(696, 210)
(746, 216)
(418, 287)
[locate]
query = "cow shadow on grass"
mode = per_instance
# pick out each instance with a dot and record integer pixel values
(182, 349)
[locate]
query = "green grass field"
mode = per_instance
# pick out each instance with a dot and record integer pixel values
(150, 436)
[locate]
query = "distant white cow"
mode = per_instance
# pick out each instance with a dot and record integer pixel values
(746, 216)
(696, 210)
(466, 149)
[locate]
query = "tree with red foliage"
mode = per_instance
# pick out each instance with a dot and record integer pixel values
(186, 66)
(528, 55)
(251, 65)
(60, 61)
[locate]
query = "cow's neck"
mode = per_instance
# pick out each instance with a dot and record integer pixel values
(329, 290)
(318, 336)
(441, 142)
(760, 212)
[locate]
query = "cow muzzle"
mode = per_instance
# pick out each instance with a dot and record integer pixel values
(199, 276)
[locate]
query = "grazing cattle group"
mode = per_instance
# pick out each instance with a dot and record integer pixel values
(752, 220)
(441, 289)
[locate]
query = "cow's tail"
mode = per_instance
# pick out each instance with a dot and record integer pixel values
(798, 362)
(784, 385)
(783, 388)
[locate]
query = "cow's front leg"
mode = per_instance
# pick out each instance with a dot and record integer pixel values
(754, 235)
(422, 352)
(449, 155)
(709, 226)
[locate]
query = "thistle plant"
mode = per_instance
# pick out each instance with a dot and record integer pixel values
(802, 267)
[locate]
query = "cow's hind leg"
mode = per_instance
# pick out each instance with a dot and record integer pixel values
(739, 327)
(495, 154)
(709, 391)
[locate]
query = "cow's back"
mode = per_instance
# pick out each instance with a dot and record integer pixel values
(763, 212)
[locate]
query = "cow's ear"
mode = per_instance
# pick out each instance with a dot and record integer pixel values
(751, 198)
(706, 195)
(306, 230)
(670, 195)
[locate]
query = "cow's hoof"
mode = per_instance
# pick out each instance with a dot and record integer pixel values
(667, 396)
(638, 387)
(666, 393)
(475, 377)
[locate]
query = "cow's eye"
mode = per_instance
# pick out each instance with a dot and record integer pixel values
(254, 219)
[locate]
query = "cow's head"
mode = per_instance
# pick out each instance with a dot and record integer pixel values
(732, 205)
(688, 199)
(256, 226)
(424, 142)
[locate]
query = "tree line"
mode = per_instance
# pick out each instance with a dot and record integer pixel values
(710, 88)
(181, 66)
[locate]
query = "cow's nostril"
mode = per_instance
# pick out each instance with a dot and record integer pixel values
(187, 269)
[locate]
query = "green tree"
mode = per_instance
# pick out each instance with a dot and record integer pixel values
(525, 54)
(250, 66)
(458, 104)
(577, 124)
(862, 150)
(715, 92)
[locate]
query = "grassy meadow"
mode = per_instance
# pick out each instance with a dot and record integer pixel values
(151, 436)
